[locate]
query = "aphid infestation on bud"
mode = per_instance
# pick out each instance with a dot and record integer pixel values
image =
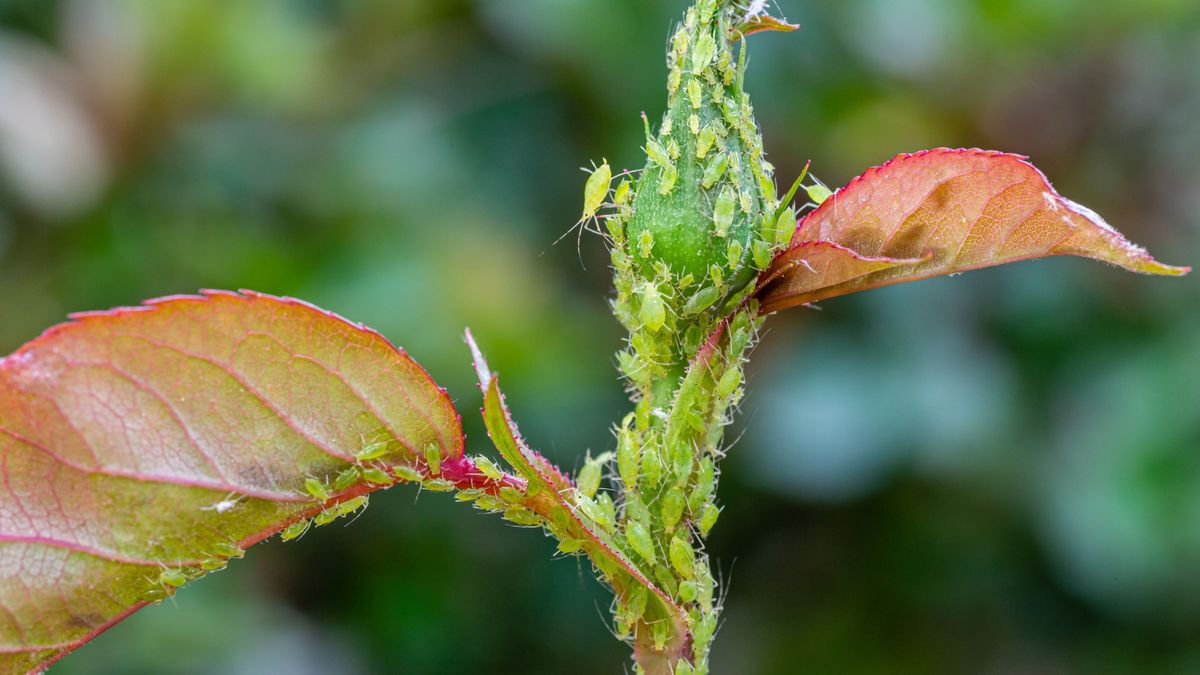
(702, 250)
(702, 220)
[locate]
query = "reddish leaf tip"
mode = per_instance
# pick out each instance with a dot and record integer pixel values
(955, 210)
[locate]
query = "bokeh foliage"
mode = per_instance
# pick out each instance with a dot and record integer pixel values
(995, 473)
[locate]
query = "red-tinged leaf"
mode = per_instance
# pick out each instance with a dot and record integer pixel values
(764, 23)
(139, 444)
(811, 266)
(945, 211)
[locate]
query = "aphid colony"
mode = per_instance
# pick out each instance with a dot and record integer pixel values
(686, 239)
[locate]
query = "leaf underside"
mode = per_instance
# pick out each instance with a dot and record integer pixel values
(146, 441)
(934, 213)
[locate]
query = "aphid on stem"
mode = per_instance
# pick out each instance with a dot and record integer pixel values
(595, 192)
(295, 530)
(316, 489)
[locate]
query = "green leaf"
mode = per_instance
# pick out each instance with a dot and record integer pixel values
(934, 213)
(144, 447)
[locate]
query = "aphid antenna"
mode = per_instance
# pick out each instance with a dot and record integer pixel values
(723, 583)
(357, 514)
(607, 619)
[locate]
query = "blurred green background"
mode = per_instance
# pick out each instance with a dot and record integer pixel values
(998, 473)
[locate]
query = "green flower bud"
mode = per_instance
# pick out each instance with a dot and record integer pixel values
(703, 186)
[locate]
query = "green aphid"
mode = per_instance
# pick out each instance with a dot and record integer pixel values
(766, 184)
(635, 606)
(674, 79)
(786, 227)
(695, 93)
(723, 212)
(407, 473)
(511, 495)
(607, 511)
(377, 476)
(658, 154)
(488, 468)
(172, 577)
(679, 43)
(717, 275)
(694, 124)
(214, 564)
(438, 485)
(345, 479)
(702, 53)
(741, 333)
(672, 507)
(295, 530)
(595, 191)
(733, 253)
(635, 509)
(491, 503)
(732, 113)
(667, 180)
(521, 516)
(702, 488)
(818, 193)
(469, 495)
(681, 460)
(705, 585)
(653, 312)
(616, 228)
(714, 171)
(705, 141)
(373, 451)
(702, 633)
(645, 244)
(623, 631)
(589, 508)
(683, 558)
(623, 193)
(687, 593)
(746, 201)
(316, 489)
(639, 540)
(762, 254)
(652, 467)
(708, 518)
(433, 458)
(325, 517)
(570, 546)
(730, 380)
(627, 459)
(725, 66)
(351, 505)
(588, 481)
(701, 300)
(228, 550)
